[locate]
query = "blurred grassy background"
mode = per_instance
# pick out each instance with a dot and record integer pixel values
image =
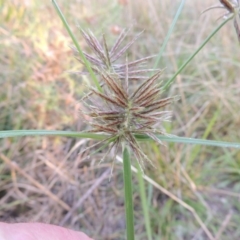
(42, 179)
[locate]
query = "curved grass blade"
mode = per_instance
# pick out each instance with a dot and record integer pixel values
(144, 202)
(185, 140)
(170, 81)
(86, 62)
(169, 33)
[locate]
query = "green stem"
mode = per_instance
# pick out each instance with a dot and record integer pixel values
(169, 34)
(169, 82)
(127, 176)
(86, 62)
(145, 205)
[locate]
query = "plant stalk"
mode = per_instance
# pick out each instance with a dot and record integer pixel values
(86, 62)
(169, 34)
(144, 202)
(127, 176)
(169, 82)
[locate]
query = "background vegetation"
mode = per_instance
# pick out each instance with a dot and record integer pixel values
(44, 178)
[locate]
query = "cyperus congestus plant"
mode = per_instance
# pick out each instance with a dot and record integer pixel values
(119, 111)
(122, 114)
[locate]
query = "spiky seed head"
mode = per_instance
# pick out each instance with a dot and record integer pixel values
(105, 59)
(121, 114)
(118, 110)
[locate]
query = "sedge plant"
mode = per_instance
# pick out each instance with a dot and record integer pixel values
(121, 115)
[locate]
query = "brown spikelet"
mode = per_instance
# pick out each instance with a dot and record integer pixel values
(105, 59)
(122, 114)
(118, 110)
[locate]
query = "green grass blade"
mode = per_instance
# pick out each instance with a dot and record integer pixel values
(21, 133)
(175, 139)
(196, 149)
(144, 202)
(173, 197)
(127, 176)
(170, 81)
(169, 34)
(185, 140)
(86, 62)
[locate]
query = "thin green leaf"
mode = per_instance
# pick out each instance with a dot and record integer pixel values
(21, 133)
(196, 149)
(170, 81)
(169, 33)
(86, 62)
(144, 202)
(176, 139)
